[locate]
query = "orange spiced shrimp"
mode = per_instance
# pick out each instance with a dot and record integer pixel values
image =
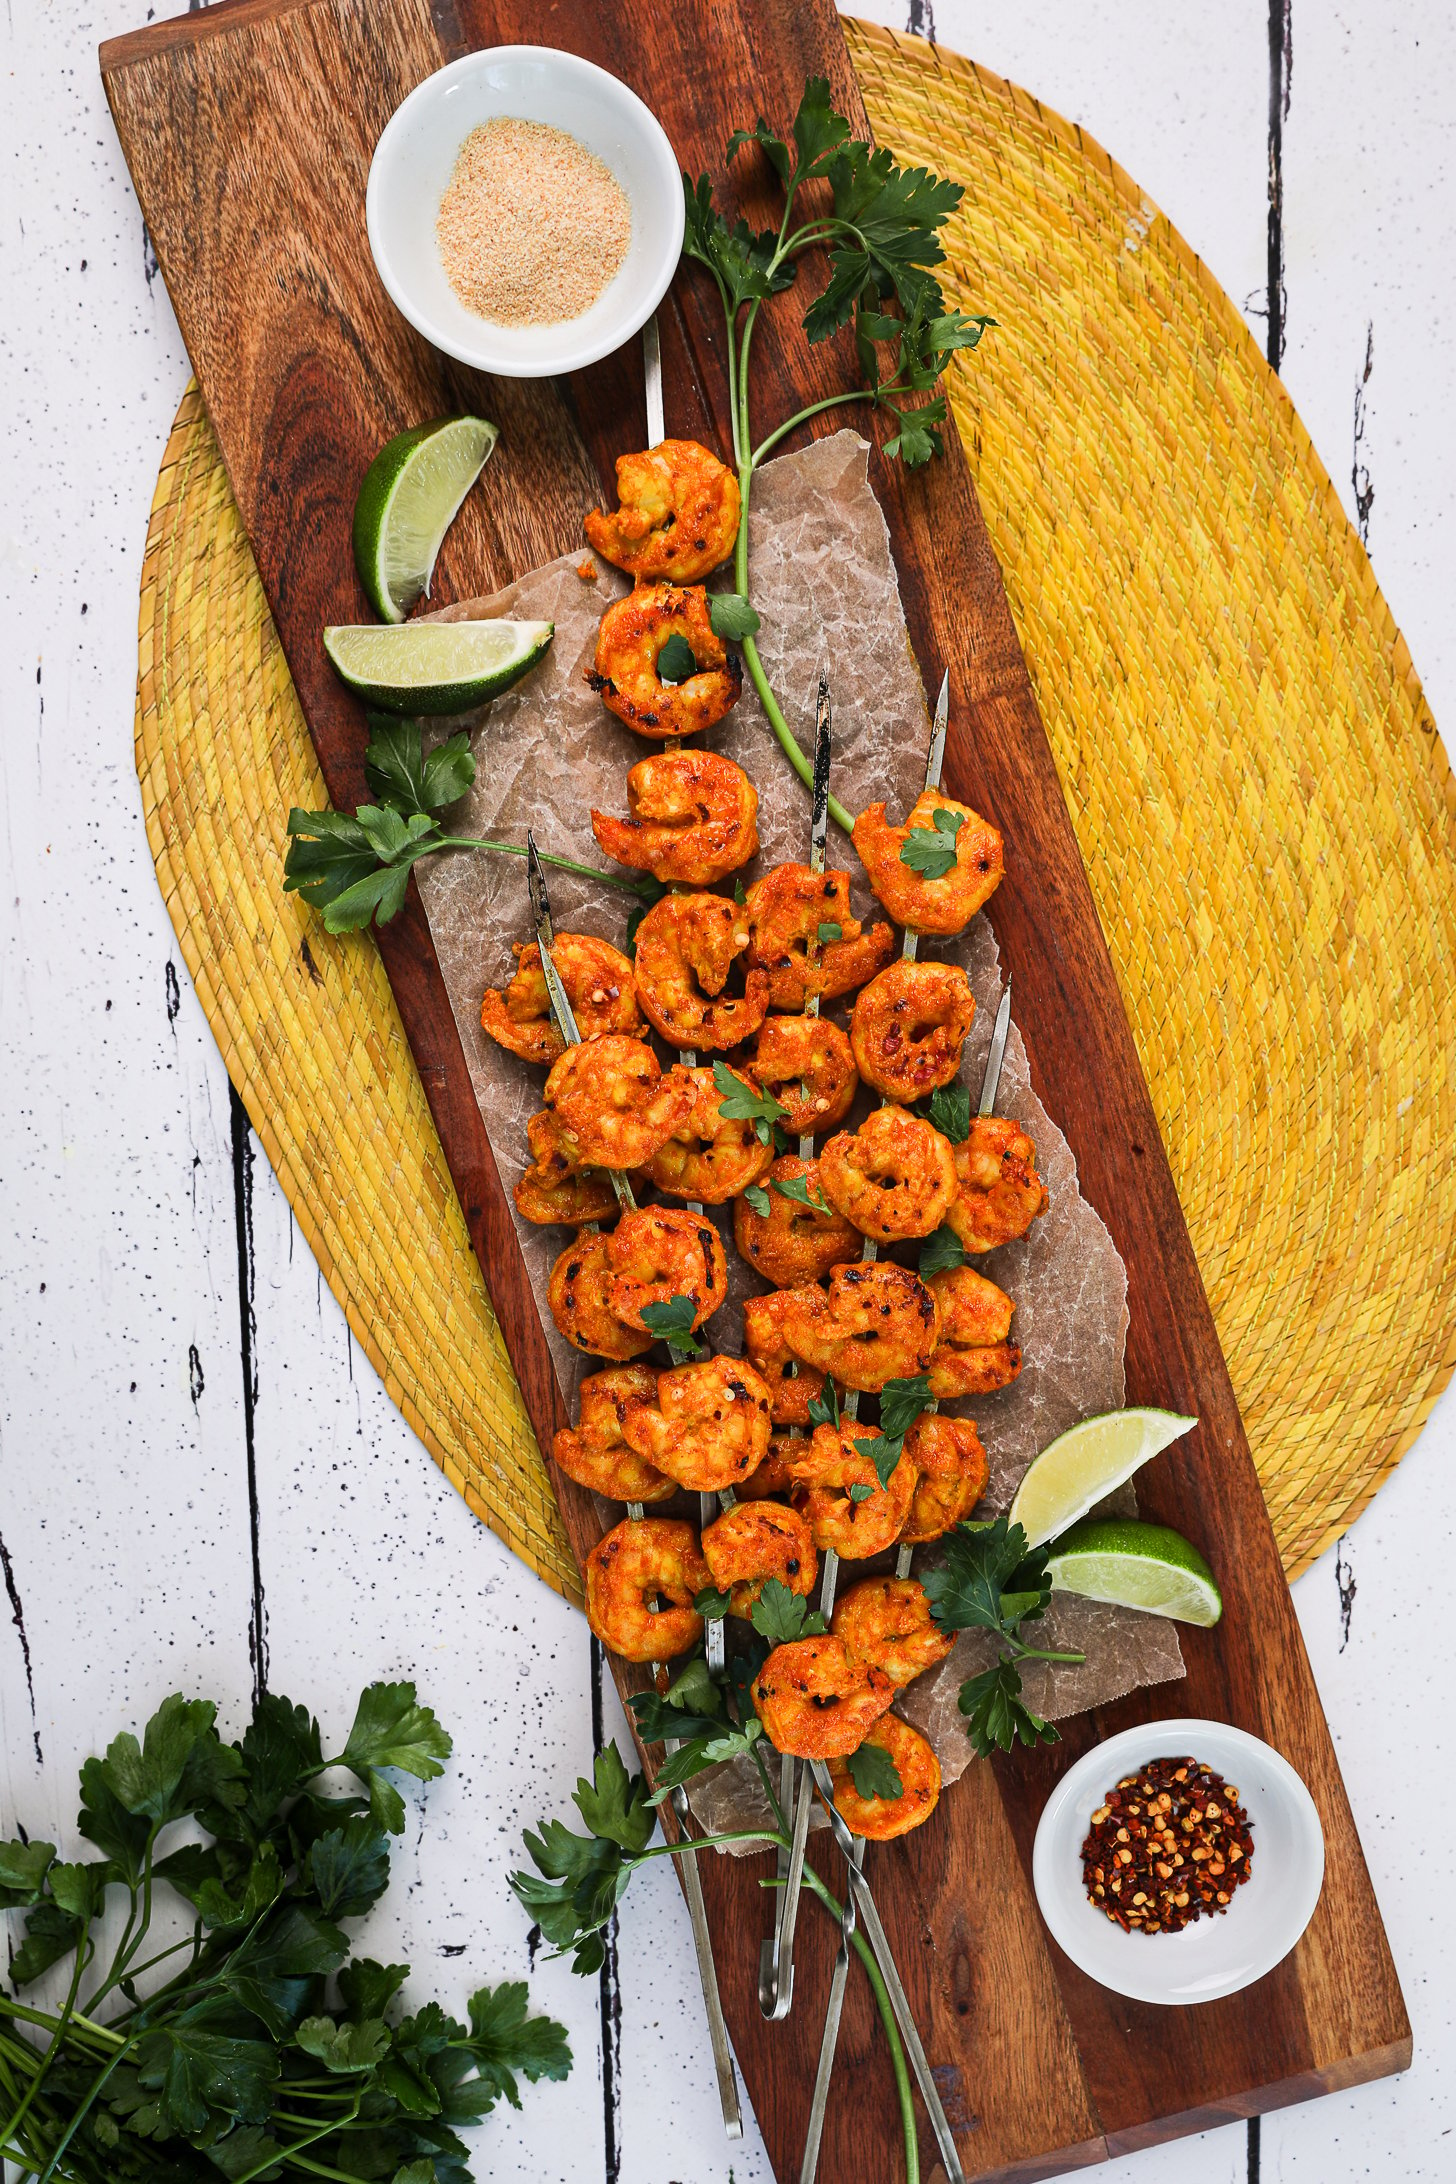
(841, 1457)
(593, 1451)
(974, 1355)
(676, 515)
(579, 1294)
(556, 1190)
(806, 940)
(614, 1106)
(629, 644)
(877, 1322)
(691, 818)
(816, 1701)
(792, 1385)
(686, 947)
(1000, 1192)
(775, 1475)
(938, 906)
(754, 1541)
(800, 1238)
(707, 1426)
(709, 1158)
(887, 1621)
(807, 1065)
(909, 1026)
(599, 986)
(881, 1819)
(657, 1253)
(641, 1582)
(950, 1475)
(895, 1176)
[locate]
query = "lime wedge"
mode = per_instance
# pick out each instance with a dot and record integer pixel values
(435, 667)
(1086, 1462)
(410, 497)
(1137, 1565)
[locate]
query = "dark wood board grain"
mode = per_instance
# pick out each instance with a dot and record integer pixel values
(248, 129)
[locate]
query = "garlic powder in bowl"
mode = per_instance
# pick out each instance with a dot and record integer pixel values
(532, 227)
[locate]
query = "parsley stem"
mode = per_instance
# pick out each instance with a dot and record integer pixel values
(815, 409)
(1034, 1653)
(18, 2115)
(645, 888)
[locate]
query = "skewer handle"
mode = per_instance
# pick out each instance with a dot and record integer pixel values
(708, 1976)
(829, 2043)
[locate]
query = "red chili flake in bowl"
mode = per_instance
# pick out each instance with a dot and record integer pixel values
(1169, 1845)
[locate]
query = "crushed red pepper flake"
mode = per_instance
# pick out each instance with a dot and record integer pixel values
(1168, 1845)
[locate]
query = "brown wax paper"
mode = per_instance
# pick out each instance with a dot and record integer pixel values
(824, 582)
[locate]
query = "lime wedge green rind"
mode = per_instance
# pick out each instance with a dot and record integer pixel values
(1136, 1565)
(435, 667)
(1088, 1462)
(411, 495)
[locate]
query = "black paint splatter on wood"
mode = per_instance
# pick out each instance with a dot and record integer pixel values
(921, 20)
(306, 956)
(1281, 70)
(174, 991)
(1359, 468)
(1256, 2154)
(1346, 1587)
(195, 1381)
(242, 1145)
(609, 1978)
(17, 1617)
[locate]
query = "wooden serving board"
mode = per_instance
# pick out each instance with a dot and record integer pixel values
(249, 129)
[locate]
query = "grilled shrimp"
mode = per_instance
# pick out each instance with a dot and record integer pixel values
(894, 1176)
(807, 1065)
(657, 1253)
(708, 1157)
(708, 1425)
(816, 1701)
(973, 1355)
(1000, 1193)
(633, 633)
(793, 1242)
(598, 982)
(593, 1451)
(646, 1564)
(556, 1190)
(951, 1473)
(941, 906)
(677, 513)
(887, 1621)
(909, 1025)
(754, 1541)
(786, 910)
(614, 1106)
(775, 1475)
(579, 1294)
(691, 818)
(838, 1459)
(877, 1322)
(791, 1385)
(880, 1819)
(686, 946)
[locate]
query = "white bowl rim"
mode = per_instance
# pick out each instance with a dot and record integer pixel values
(1115, 1755)
(484, 359)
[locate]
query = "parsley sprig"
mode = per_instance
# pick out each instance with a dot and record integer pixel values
(259, 2048)
(880, 228)
(356, 871)
(874, 1773)
(990, 1579)
(739, 1101)
(931, 851)
(672, 1322)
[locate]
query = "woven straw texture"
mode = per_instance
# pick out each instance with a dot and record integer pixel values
(1264, 806)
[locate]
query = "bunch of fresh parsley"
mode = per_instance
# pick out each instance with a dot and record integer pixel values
(356, 871)
(990, 1579)
(260, 2051)
(878, 228)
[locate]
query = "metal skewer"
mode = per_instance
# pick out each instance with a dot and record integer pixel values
(990, 1085)
(566, 1025)
(776, 1952)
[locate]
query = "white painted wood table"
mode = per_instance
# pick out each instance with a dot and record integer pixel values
(198, 1470)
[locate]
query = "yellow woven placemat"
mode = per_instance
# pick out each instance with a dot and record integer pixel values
(1258, 789)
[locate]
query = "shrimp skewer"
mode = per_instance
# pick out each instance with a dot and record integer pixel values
(566, 1025)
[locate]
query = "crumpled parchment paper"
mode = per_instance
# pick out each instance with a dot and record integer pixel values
(824, 582)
